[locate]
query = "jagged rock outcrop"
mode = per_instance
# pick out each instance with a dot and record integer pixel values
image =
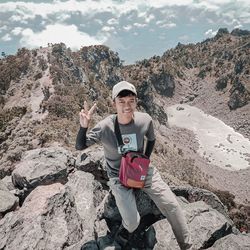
(81, 213)
(233, 242)
(102, 63)
(239, 95)
(221, 32)
(43, 166)
(239, 32)
(47, 220)
(40, 98)
(9, 201)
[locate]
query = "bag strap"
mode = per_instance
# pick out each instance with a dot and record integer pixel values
(118, 134)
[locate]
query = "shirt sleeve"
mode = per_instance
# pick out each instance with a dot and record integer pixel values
(149, 148)
(150, 133)
(84, 139)
(94, 135)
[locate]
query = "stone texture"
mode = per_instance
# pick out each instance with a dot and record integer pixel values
(42, 166)
(47, 220)
(233, 242)
(9, 201)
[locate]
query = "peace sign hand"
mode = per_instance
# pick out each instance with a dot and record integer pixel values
(86, 114)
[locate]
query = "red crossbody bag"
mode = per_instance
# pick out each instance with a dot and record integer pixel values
(134, 165)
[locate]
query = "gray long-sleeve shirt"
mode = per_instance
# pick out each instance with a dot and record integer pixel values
(133, 135)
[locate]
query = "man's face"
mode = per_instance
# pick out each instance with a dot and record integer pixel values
(125, 106)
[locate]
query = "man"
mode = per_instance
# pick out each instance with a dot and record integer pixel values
(134, 127)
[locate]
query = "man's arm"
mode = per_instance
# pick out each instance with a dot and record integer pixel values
(81, 139)
(150, 139)
(85, 117)
(149, 148)
(84, 139)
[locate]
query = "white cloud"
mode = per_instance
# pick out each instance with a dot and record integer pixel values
(238, 26)
(31, 9)
(3, 28)
(140, 25)
(108, 28)
(6, 38)
(98, 21)
(58, 33)
(63, 17)
(165, 24)
(15, 18)
(149, 18)
(210, 33)
(22, 11)
(112, 21)
(127, 27)
(16, 31)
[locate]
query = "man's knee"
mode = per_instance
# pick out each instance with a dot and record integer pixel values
(131, 225)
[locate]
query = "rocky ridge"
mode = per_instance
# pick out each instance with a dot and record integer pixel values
(43, 93)
(64, 203)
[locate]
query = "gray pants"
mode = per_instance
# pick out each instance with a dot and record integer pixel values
(162, 196)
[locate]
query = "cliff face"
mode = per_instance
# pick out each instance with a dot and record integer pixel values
(43, 90)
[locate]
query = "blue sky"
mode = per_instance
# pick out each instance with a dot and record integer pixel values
(136, 29)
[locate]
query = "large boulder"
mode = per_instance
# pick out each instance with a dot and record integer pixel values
(206, 224)
(233, 242)
(92, 160)
(43, 166)
(9, 201)
(48, 219)
(193, 194)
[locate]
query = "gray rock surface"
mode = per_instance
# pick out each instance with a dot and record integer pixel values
(47, 220)
(88, 195)
(42, 166)
(80, 212)
(193, 194)
(233, 242)
(206, 224)
(9, 201)
(92, 161)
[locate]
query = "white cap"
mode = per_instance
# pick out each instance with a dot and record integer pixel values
(123, 85)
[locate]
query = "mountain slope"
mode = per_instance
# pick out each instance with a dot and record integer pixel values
(43, 90)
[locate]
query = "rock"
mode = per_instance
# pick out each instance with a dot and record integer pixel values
(9, 201)
(233, 242)
(198, 214)
(42, 167)
(221, 32)
(146, 101)
(221, 83)
(239, 66)
(92, 161)
(163, 82)
(3, 186)
(239, 32)
(179, 108)
(7, 182)
(88, 195)
(48, 219)
(205, 223)
(198, 194)
(239, 95)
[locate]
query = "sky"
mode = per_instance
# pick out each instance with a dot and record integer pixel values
(136, 29)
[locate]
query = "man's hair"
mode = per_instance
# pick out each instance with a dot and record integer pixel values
(125, 93)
